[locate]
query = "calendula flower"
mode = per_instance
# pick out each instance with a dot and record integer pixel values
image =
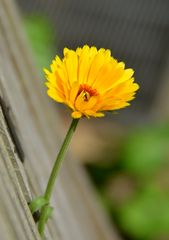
(90, 81)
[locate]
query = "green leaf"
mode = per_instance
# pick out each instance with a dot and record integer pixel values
(37, 204)
(48, 212)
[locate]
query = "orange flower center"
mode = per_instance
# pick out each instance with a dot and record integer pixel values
(87, 92)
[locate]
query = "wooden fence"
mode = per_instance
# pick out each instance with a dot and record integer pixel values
(30, 132)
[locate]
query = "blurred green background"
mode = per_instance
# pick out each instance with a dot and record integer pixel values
(129, 165)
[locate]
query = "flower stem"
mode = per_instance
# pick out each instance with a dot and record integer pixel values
(54, 174)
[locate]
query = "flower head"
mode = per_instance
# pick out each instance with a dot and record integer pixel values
(90, 81)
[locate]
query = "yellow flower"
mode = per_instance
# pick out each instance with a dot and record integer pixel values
(90, 81)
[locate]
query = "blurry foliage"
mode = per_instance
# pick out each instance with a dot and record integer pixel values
(146, 215)
(100, 173)
(146, 150)
(144, 157)
(41, 36)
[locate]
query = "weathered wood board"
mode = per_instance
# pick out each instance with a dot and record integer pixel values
(31, 132)
(15, 218)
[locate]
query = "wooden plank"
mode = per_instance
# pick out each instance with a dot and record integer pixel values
(39, 129)
(14, 192)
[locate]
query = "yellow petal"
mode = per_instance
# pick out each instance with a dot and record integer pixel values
(54, 95)
(74, 91)
(58, 61)
(99, 114)
(65, 51)
(94, 114)
(91, 103)
(84, 65)
(86, 56)
(76, 114)
(82, 105)
(96, 64)
(103, 80)
(71, 64)
(128, 73)
(46, 71)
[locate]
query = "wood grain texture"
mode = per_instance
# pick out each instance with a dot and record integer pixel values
(77, 215)
(16, 221)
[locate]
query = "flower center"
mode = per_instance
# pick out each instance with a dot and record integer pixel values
(87, 92)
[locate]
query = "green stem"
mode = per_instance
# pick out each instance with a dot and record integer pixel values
(54, 174)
